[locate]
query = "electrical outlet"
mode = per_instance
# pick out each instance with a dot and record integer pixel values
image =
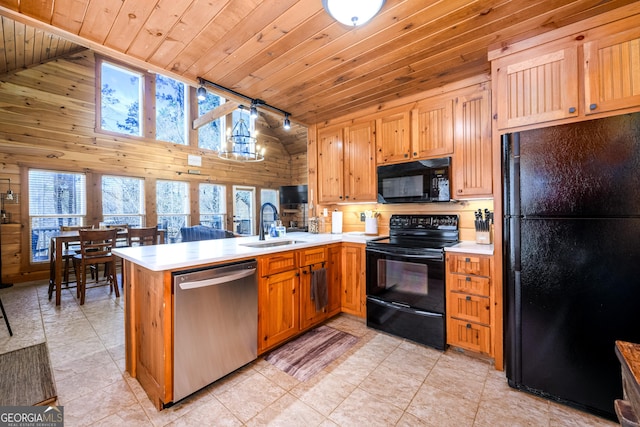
(361, 216)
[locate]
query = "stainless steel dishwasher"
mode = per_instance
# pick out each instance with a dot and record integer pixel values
(215, 312)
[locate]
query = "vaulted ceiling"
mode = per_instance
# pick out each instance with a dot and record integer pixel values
(291, 53)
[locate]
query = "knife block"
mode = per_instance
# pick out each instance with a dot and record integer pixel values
(483, 237)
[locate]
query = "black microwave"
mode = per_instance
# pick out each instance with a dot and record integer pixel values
(419, 181)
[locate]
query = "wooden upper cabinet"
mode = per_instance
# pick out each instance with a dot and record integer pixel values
(346, 166)
(359, 162)
(432, 129)
(330, 165)
(535, 86)
(472, 170)
(612, 70)
(393, 138)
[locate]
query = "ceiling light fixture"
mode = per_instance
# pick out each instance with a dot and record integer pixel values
(201, 92)
(241, 146)
(286, 123)
(353, 12)
(253, 109)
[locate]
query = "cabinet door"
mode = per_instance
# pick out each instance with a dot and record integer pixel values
(309, 316)
(334, 276)
(612, 72)
(330, 165)
(472, 171)
(536, 86)
(278, 317)
(360, 167)
(353, 292)
(432, 129)
(393, 142)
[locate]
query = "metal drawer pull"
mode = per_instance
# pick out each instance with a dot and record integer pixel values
(468, 298)
(572, 110)
(593, 106)
(468, 325)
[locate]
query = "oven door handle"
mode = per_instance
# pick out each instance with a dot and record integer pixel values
(437, 256)
(404, 307)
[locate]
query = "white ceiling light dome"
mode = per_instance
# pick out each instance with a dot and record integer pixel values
(353, 12)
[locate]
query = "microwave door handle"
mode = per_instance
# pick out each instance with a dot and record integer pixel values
(391, 253)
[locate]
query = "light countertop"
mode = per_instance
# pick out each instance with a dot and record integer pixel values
(471, 247)
(190, 254)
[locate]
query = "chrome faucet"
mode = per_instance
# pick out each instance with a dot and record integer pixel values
(261, 225)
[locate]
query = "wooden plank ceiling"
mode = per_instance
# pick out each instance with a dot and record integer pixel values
(292, 54)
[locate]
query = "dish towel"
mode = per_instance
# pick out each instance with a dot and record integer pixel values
(319, 293)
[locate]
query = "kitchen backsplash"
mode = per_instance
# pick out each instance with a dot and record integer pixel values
(351, 214)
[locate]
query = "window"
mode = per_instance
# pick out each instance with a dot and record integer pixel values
(123, 200)
(213, 206)
(172, 205)
(210, 135)
(120, 99)
(123, 108)
(243, 209)
(268, 195)
(171, 110)
(55, 199)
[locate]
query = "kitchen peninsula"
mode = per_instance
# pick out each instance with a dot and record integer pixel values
(283, 264)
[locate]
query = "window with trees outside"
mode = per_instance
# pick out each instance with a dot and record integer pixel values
(211, 134)
(123, 200)
(243, 209)
(172, 206)
(123, 109)
(121, 92)
(213, 205)
(171, 115)
(55, 199)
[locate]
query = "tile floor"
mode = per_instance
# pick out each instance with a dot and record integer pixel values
(381, 381)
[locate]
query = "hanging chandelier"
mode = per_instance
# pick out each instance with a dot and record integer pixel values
(240, 145)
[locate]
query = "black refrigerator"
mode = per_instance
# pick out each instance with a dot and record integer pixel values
(572, 258)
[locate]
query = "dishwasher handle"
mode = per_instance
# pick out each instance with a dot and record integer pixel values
(218, 280)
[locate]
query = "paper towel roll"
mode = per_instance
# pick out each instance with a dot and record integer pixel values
(336, 222)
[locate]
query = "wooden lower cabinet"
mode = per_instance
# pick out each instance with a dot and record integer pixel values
(353, 279)
(310, 260)
(148, 321)
(278, 308)
(472, 314)
(334, 278)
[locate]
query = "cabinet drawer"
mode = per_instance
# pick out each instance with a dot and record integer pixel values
(312, 256)
(469, 335)
(475, 285)
(469, 264)
(278, 263)
(469, 307)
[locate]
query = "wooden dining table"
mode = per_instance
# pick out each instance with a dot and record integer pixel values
(56, 249)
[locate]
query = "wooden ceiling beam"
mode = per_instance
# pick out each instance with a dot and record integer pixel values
(224, 109)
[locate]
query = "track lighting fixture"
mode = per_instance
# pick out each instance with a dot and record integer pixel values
(255, 102)
(202, 93)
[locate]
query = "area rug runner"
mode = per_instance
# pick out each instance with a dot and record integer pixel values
(307, 355)
(26, 378)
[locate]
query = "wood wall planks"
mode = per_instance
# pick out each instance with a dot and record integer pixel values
(47, 120)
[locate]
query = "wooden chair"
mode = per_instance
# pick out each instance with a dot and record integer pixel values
(142, 236)
(95, 248)
(70, 250)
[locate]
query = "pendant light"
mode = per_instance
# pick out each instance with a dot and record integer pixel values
(353, 12)
(241, 146)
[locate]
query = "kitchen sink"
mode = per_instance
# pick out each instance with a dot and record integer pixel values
(271, 243)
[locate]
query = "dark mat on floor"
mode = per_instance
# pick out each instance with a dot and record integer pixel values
(307, 355)
(26, 378)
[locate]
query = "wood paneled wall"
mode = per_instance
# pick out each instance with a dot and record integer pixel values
(47, 121)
